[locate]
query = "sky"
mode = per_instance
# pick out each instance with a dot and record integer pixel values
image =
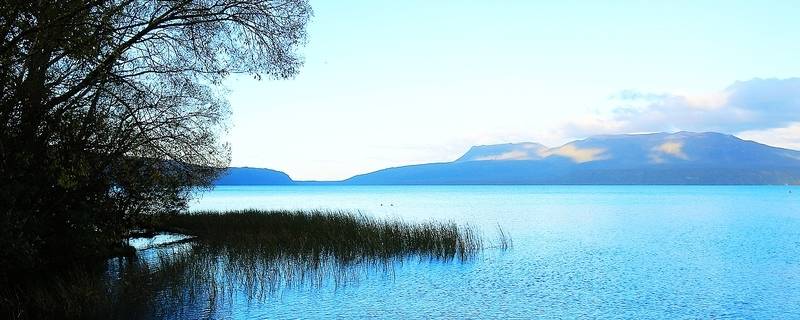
(391, 83)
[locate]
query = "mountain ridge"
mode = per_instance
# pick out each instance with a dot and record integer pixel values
(253, 176)
(653, 158)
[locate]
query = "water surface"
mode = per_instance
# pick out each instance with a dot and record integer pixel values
(579, 251)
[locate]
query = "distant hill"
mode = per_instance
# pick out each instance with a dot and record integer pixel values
(660, 158)
(253, 176)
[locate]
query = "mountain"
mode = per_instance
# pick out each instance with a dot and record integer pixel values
(253, 176)
(659, 158)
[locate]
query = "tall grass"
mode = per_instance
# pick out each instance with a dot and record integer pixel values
(504, 241)
(261, 252)
(345, 236)
(248, 253)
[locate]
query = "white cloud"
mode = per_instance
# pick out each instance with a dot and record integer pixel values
(745, 106)
(577, 155)
(511, 155)
(786, 137)
(671, 148)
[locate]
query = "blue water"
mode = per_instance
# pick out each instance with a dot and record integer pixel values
(579, 251)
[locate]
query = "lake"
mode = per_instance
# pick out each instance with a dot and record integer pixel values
(578, 251)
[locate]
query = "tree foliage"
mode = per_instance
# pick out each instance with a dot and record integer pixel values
(114, 109)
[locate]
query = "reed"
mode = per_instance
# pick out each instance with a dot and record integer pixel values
(345, 236)
(247, 253)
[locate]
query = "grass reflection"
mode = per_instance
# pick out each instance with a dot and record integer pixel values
(248, 255)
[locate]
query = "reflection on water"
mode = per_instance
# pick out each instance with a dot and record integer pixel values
(198, 280)
(652, 252)
(251, 256)
(161, 239)
(579, 252)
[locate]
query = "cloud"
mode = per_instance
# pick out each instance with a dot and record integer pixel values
(745, 106)
(670, 148)
(577, 155)
(511, 155)
(786, 137)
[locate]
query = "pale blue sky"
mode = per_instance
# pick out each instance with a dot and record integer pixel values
(390, 83)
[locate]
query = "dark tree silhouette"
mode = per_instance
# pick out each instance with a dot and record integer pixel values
(112, 110)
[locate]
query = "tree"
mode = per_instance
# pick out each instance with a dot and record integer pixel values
(113, 109)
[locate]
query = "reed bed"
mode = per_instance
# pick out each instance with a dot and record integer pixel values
(260, 252)
(346, 236)
(246, 254)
